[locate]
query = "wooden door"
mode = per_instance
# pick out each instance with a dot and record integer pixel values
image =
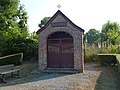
(60, 53)
(53, 53)
(67, 53)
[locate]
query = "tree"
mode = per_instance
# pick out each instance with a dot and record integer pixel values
(92, 36)
(8, 24)
(44, 21)
(22, 21)
(14, 36)
(8, 14)
(110, 32)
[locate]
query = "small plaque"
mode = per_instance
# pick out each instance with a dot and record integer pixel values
(59, 24)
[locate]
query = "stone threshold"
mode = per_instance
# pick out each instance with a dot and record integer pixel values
(60, 70)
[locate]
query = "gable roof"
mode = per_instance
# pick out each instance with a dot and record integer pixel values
(53, 17)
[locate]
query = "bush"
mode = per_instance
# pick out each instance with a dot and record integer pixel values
(115, 49)
(15, 59)
(107, 59)
(91, 54)
(27, 46)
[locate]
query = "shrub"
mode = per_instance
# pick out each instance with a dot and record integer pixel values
(91, 54)
(15, 59)
(107, 59)
(28, 46)
(115, 49)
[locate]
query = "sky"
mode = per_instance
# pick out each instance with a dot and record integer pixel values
(86, 14)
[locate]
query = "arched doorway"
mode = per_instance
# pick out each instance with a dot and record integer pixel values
(60, 50)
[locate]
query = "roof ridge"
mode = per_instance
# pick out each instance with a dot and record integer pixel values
(53, 17)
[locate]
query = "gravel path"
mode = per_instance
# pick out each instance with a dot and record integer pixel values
(94, 78)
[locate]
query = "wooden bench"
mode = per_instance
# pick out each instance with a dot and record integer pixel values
(8, 69)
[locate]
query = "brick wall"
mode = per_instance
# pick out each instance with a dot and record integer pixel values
(77, 38)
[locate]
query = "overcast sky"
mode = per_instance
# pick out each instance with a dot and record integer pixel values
(86, 14)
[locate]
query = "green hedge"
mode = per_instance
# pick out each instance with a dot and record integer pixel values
(107, 59)
(15, 59)
(118, 62)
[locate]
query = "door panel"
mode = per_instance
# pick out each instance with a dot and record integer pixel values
(53, 53)
(60, 53)
(67, 54)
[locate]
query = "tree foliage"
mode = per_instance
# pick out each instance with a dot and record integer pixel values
(92, 36)
(110, 32)
(14, 36)
(108, 39)
(22, 21)
(44, 21)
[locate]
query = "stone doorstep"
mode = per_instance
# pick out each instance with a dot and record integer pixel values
(60, 70)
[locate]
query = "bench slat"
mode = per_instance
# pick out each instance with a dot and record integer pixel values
(6, 66)
(10, 71)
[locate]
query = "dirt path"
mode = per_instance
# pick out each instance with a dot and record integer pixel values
(94, 78)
